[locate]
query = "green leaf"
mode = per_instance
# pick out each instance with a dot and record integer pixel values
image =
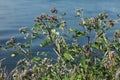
(68, 56)
(45, 43)
(36, 59)
(8, 47)
(36, 26)
(14, 54)
(57, 26)
(101, 41)
(25, 46)
(58, 46)
(111, 26)
(51, 27)
(77, 33)
(72, 30)
(96, 46)
(84, 63)
(118, 31)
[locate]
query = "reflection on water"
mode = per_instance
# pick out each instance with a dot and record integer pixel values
(17, 13)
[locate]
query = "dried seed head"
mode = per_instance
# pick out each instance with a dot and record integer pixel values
(44, 61)
(53, 10)
(49, 66)
(111, 22)
(117, 34)
(107, 64)
(111, 55)
(78, 11)
(102, 16)
(87, 53)
(117, 75)
(11, 41)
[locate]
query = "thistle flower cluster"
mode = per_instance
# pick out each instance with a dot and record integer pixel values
(44, 17)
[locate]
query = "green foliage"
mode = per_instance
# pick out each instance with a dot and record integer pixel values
(68, 56)
(98, 58)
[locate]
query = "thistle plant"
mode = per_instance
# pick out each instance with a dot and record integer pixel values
(98, 58)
